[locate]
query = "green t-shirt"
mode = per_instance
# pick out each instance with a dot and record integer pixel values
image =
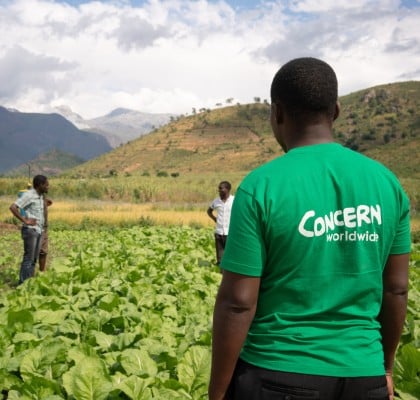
(317, 225)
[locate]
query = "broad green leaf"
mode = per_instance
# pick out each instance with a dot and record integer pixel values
(125, 340)
(47, 360)
(40, 388)
(82, 300)
(109, 302)
(405, 396)
(69, 326)
(17, 395)
(78, 353)
(50, 317)
(169, 394)
(21, 318)
(31, 364)
(25, 337)
(138, 362)
(8, 380)
(194, 369)
(136, 388)
(88, 380)
(408, 365)
(104, 341)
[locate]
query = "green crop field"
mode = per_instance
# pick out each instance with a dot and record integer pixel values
(125, 313)
(120, 314)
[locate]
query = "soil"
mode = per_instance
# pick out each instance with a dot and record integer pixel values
(5, 228)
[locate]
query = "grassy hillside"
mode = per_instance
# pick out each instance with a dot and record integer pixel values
(233, 139)
(382, 122)
(50, 163)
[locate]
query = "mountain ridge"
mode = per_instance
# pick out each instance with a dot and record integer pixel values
(375, 120)
(24, 136)
(120, 125)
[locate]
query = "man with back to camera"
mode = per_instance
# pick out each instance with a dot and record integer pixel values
(314, 291)
(32, 203)
(223, 207)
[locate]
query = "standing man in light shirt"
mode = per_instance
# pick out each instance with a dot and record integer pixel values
(32, 202)
(223, 206)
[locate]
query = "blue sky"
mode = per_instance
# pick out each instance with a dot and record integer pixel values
(175, 55)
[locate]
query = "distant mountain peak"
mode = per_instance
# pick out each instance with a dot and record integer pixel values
(24, 136)
(119, 111)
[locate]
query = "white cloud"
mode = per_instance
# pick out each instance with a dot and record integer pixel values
(171, 56)
(21, 70)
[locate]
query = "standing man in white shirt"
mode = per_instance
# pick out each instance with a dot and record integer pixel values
(222, 205)
(32, 203)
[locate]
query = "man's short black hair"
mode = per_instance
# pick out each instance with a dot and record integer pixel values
(306, 87)
(39, 180)
(226, 184)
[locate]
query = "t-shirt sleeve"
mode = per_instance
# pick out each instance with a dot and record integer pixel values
(24, 200)
(245, 249)
(402, 240)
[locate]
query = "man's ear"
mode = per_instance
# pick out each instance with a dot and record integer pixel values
(277, 112)
(337, 110)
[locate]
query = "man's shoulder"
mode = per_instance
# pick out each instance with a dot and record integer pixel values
(216, 201)
(32, 193)
(24, 196)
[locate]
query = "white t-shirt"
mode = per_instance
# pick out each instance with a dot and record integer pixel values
(223, 209)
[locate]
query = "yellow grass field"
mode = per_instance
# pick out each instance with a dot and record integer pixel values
(111, 213)
(97, 213)
(108, 213)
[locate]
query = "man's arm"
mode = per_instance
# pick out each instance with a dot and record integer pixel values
(210, 214)
(394, 306)
(234, 311)
(15, 211)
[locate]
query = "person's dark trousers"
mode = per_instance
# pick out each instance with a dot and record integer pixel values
(253, 383)
(220, 241)
(31, 246)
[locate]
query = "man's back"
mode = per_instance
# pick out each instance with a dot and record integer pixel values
(326, 218)
(314, 291)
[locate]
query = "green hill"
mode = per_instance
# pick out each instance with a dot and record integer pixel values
(382, 122)
(50, 163)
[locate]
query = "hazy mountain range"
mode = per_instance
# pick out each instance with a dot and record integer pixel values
(381, 121)
(25, 136)
(34, 137)
(120, 125)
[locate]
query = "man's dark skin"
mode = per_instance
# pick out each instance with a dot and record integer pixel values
(237, 298)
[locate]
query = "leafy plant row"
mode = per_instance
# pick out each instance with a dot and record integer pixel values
(126, 315)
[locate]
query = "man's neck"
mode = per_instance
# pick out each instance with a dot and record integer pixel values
(310, 135)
